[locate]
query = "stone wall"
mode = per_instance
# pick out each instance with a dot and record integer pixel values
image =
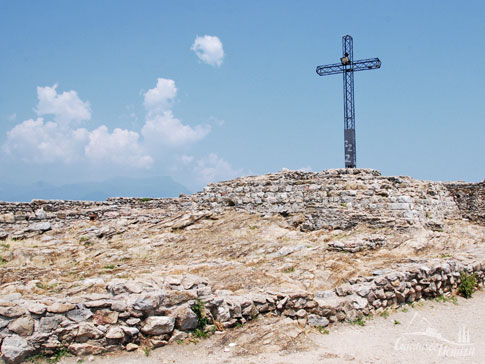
(154, 312)
(340, 198)
(470, 198)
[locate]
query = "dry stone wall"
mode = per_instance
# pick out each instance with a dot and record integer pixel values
(470, 198)
(155, 312)
(340, 198)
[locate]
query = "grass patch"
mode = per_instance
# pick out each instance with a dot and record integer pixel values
(54, 358)
(396, 322)
(467, 285)
(145, 199)
(109, 266)
(443, 298)
(322, 330)
(384, 314)
(147, 350)
(5, 245)
(359, 321)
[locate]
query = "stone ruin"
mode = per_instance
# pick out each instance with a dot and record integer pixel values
(159, 311)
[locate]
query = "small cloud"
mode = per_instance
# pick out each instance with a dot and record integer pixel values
(66, 107)
(213, 168)
(209, 50)
(161, 126)
(12, 117)
(159, 99)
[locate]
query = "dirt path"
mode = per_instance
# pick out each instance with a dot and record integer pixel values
(433, 332)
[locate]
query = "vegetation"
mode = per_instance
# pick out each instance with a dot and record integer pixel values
(359, 321)
(442, 298)
(467, 285)
(54, 358)
(385, 314)
(202, 320)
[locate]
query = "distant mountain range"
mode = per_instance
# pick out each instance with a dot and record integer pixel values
(94, 191)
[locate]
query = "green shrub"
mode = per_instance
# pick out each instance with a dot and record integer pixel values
(467, 285)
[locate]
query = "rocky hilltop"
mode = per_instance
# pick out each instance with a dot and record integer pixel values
(316, 248)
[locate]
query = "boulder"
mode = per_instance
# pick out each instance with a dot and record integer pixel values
(79, 315)
(157, 325)
(23, 326)
(15, 349)
(317, 321)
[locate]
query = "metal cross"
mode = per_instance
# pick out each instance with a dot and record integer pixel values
(348, 66)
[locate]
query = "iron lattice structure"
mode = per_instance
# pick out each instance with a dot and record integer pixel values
(347, 67)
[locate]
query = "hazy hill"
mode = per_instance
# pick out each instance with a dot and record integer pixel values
(94, 191)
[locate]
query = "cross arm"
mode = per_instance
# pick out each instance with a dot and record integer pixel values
(361, 65)
(330, 69)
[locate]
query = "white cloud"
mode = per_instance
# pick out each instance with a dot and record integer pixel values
(45, 142)
(159, 99)
(209, 50)
(120, 147)
(66, 107)
(161, 127)
(213, 168)
(165, 129)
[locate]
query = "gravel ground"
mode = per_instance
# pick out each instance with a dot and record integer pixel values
(430, 332)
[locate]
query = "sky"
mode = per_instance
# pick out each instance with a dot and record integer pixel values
(203, 91)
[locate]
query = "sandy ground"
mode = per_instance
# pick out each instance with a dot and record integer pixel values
(429, 332)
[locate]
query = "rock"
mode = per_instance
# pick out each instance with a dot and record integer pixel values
(149, 301)
(79, 315)
(174, 298)
(36, 308)
(15, 349)
(317, 321)
(130, 331)
(39, 227)
(98, 303)
(3, 235)
(40, 214)
(7, 218)
(81, 349)
(115, 333)
(118, 306)
(59, 307)
(11, 311)
(178, 335)
(23, 326)
(133, 321)
(131, 347)
(3, 323)
(88, 331)
(157, 325)
(50, 323)
(105, 317)
(186, 319)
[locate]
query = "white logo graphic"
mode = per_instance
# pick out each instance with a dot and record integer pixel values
(421, 336)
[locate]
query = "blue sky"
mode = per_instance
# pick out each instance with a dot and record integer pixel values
(257, 108)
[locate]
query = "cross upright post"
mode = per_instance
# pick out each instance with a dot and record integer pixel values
(347, 67)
